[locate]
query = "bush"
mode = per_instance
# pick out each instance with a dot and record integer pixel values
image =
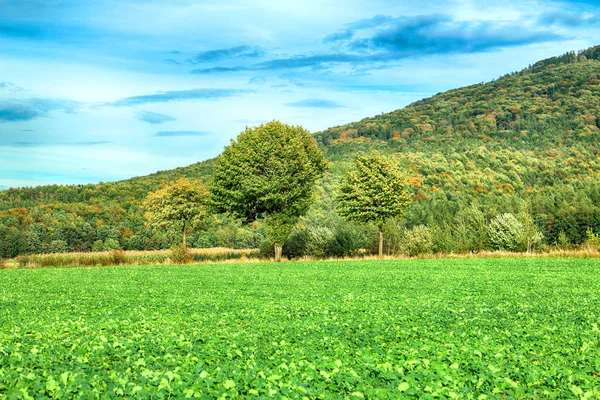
(111, 244)
(98, 246)
(2, 263)
(319, 240)
(266, 249)
(563, 242)
(347, 241)
(470, 232)
(593, 240)
(226, 236)
(443, 240)
(180, 254)
(418, 240)
(247, 239)
(505, 232)
(295, 245)
(206, 240)
(118, 257)
(58, 246)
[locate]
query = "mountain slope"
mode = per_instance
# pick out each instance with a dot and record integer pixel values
(531, 135)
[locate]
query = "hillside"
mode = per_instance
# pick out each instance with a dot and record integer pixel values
(531, 135)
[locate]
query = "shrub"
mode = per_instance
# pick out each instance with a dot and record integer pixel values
(593, 240)
(563, 242)
(180, 254)
(98, 246)
(505, 232)
(118, 257)
(530, 237)
(247, 239)
(111, 244)
(206, 240)
(319, 239)
(470, 233)
(443, 240)
(418, 240)
(226, 236)
(347, 241)
(295, 245)
(58, 246)
(2, 263)
(266, 249)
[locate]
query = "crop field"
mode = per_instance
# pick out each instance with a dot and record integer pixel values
(472, 328)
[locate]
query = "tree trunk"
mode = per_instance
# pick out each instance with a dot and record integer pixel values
(278, 251)
(184, 240)
(380, 243)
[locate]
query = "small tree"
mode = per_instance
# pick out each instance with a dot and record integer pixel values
(418, 240)
(373, 190)
(530, 237)
(270, 172)
(181, 206)
(504, 232)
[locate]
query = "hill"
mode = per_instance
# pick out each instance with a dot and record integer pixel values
(528, 136)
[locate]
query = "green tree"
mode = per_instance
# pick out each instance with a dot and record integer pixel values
(418, 240)
(180, 206)
(504, 231)
(270, 172)
(372, 191)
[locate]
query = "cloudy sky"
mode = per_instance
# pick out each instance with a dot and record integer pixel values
(103, 90)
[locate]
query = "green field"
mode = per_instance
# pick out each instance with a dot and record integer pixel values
(505, 328)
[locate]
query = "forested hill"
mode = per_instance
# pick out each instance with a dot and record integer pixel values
(531, 135)
(554, 102)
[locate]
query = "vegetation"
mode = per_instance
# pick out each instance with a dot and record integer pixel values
(411, 329)
(528, 140)
(372, 191)
(269, 172)
(177, 255)
(182, 205)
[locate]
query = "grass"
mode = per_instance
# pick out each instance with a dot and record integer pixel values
(132, 257)
(465, 328)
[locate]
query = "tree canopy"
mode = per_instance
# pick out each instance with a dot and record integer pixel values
(269, 172)
(181, 205)
(373, 190)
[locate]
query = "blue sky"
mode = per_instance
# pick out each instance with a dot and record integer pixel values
(103, 90)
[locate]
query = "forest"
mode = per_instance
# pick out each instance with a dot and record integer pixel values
(517, 155)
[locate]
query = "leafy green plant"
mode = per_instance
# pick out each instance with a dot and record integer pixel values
(504, 232)
(111, 244)
(418, 240)
(98, 246)
(593, 239)
(180, 254)
(372, 329)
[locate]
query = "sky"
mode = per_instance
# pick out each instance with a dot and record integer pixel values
(104, 90)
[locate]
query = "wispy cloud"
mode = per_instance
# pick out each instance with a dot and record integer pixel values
(315, 103)
(384, 39)
(179, 95)
(14, 110)
(154, 118)
(11, 87)
(230, 53)
(181, 133)
(569, 19)
(438, 34)
(49, 144)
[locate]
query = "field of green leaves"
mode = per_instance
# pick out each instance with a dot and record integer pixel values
(473, 328)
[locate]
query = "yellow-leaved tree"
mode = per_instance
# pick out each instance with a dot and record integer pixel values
(181, 206)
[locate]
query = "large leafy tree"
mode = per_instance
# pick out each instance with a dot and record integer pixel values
(372, 191)
(269, 172)
(181, 206)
